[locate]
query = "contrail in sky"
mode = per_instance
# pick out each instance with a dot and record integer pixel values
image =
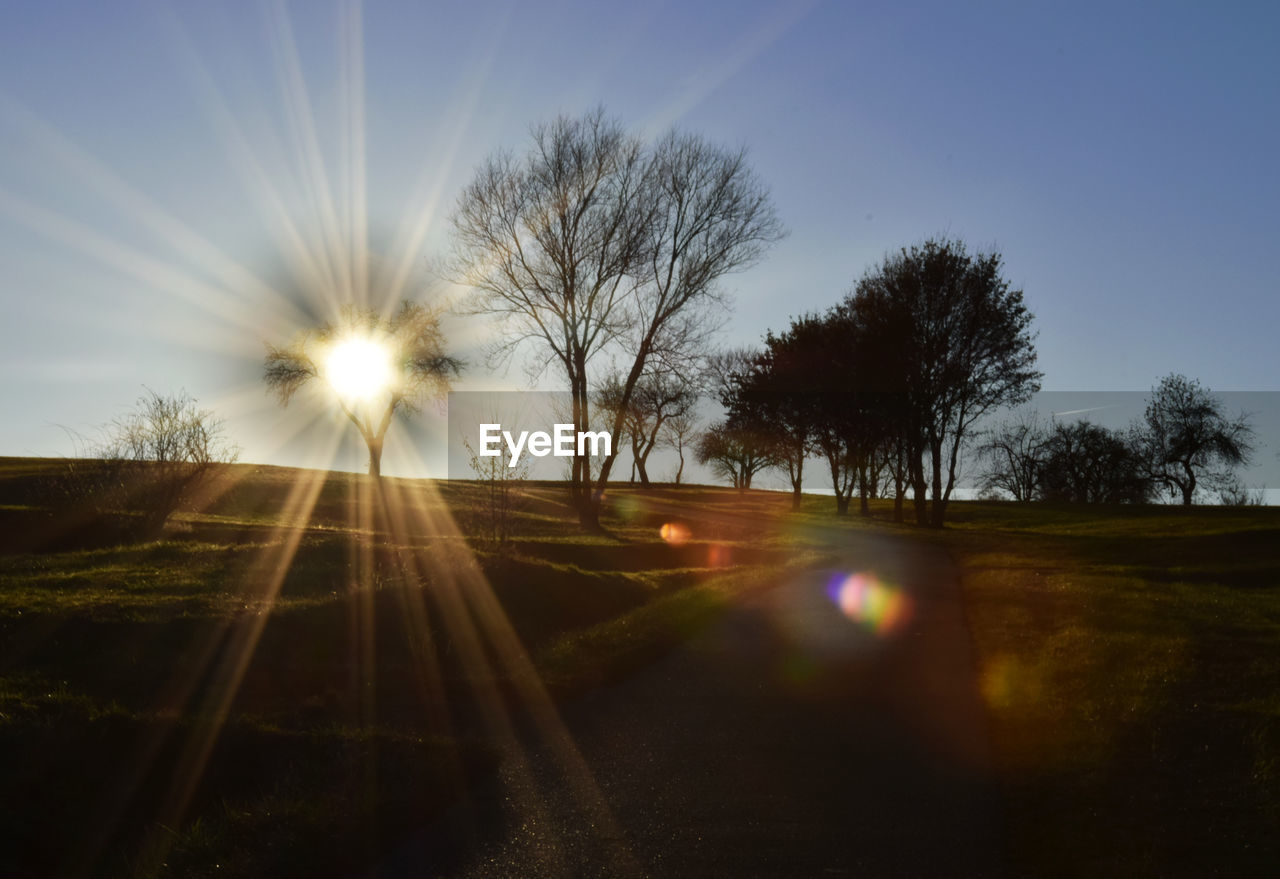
(1082, 411)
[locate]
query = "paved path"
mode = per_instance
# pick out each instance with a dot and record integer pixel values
(786, 740)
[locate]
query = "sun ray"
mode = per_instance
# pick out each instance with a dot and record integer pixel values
(352, 115)
(224, 643)
(269, 570)
(472, 613)
(307, 265)
(430, 184)
(239, 283)
(400, 536)
(302, 127)
(132, 262)
(716, 72)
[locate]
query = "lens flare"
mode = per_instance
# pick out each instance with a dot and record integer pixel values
(864, 599)
(674, 533)
(359, 368)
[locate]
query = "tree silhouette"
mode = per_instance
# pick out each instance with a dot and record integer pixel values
(658, 397)
(678, 433)
(773, 389)
(735, 452)
(958, 343)
(593, 241)
(148, 463)
(1089, 464)
(1186, 438)
(406, 349)
(1015, 452)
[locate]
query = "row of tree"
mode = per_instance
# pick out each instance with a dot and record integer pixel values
(1185, 442)
(595, 246)
(891, 380)
(1185, 445)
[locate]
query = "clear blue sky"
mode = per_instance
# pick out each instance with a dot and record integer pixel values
(1121, 156)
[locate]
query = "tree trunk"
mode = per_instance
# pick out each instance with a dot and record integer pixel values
(637, 465)
(646, 447)
(833, 462)
(937, 505)
(375, 458)
(644, 474)
(899, 486)
(918, 487)
(587, 493)
(1189, 486)
(938, 512)
(580, 476)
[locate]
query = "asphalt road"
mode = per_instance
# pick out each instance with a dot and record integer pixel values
(795, 737)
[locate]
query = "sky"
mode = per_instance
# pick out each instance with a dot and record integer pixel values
(161, 161)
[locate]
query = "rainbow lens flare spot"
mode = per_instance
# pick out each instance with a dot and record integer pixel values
(866, 600)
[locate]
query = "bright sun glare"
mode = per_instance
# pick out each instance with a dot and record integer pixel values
(359, 369)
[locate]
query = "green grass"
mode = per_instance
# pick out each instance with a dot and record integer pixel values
(615, 647)
(1130, 662)
(332, 744)
(1127, 658)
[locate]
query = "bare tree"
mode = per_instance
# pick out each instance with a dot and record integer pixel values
(1234, 493)
(725, 370)
(151, 460)
(1015, 451)
(375, 366)
(592, 240)
(502, 483)
(553, 242)
(678, 434)
(657, 398)
(1187, 439)
(1087, 463)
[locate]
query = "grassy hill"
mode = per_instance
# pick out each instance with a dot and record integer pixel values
(265, 688)
(301, 672)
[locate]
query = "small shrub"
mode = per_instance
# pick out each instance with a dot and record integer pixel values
(147, 464)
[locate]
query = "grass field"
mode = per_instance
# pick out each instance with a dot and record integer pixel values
(1130, 661)
(262, 692)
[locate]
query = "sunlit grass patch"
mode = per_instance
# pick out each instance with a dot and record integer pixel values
(608, 650)
(334, 685)
(1127, 656)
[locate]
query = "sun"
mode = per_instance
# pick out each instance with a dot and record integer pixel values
(359, 369)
